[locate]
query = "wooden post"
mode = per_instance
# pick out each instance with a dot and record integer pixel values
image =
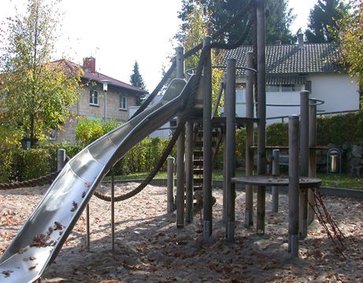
(249, 141)
(207, 144)
(180, 181)
(189, 171)
(312, 159)
(293, 186)
(261, 113)
(170, 185)
(275, 172)
(230, 113)
(304, 159)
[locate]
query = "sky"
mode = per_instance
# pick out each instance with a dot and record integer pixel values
(119, 32)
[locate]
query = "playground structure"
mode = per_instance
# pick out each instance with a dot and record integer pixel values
(47, 228)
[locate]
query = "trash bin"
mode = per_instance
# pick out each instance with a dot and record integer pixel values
(334, 160)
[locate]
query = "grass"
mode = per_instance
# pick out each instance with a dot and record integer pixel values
(328, 180)
(342, 181)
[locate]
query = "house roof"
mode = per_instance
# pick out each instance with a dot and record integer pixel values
(291, 62)
(100, 78)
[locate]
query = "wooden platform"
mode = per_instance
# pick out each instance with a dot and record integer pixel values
(304, 182)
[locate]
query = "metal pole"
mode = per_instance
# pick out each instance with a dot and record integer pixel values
(170, 184)
(275, 172)
(113, 209)
(261, 109)
(293, 186)
(304, 132)
(88, 238)
(104, 105)
(61, 159)
(304, 161)
(312, 159)
(207, 143)
(230, 112)
(249, 140)
(180, 182)
(189, 171)
(180, 63)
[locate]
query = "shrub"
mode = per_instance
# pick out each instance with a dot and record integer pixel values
(88, 130)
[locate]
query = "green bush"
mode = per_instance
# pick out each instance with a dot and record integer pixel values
(88, 130)
(24, 164)
(340, 129)
(277, 134)
(143, 157)
(337, 129)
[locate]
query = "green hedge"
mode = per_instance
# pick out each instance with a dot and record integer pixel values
(339, 129)
(143, 157)
(24, 164)
(21, 164)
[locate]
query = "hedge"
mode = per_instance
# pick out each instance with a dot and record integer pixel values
(25, 164)
(338, 129)
(20, 164)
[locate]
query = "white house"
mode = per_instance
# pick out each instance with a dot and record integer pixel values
(164, 131)
(291, 68)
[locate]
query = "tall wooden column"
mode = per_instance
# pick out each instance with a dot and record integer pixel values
(249, 141)
(230, 113)
(207, 144)
(180, 181)
(261, 113)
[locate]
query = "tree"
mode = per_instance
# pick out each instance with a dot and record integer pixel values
(351, 41)
(195, 31)
(324, 20)
(36, 94)
(217, 13)
(136, 78)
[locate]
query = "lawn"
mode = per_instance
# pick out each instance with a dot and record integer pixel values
(328, 180)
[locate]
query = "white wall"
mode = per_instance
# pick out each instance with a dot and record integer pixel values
(339, 92)
(284, 99)
(163, 132)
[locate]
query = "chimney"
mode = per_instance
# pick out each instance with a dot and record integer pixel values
(300, 40)
(89, 64)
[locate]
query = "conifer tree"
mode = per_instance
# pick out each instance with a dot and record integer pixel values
(136, 78)
(324, 21)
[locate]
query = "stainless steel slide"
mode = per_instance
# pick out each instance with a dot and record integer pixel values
(43, 234)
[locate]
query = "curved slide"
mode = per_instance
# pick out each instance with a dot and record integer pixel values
(43, 234)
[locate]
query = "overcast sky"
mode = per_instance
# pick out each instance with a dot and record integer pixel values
(118, 32)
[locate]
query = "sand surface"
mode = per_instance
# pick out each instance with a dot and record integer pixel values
(149, 247)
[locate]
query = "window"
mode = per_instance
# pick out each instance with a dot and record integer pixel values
(123, 102)
(282, 88)
(273, 88)
(93, 97)
(288, 88)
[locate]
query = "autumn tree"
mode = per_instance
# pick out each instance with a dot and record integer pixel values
(193, 34)
(36, 94)
(324, 20)
(351, 41)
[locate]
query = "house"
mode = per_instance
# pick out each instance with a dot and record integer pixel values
(291, 68)
(102, 97)
(164, 131)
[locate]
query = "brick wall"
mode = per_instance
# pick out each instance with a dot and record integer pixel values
(83, 109)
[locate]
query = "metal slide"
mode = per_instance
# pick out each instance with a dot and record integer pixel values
(43, 234)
